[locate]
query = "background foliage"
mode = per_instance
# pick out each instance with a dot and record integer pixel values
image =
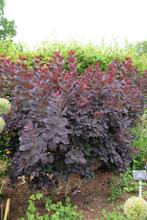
(86, 55)
(7, 28)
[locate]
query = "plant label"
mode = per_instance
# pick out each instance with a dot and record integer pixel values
(139, 175)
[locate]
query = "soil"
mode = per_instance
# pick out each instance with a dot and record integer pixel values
(89, 196)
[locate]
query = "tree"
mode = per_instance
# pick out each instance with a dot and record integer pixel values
(7, 28)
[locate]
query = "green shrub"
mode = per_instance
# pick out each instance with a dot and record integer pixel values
(141, 47)
(140, 143)
(4, 109)
(4, 106)
(121, 184)
(4, 139)
(86, 54)
(135, 208)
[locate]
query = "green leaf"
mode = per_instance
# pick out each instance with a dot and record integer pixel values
(33, 197)
(31, 216)
(31, 207)
(38, 196)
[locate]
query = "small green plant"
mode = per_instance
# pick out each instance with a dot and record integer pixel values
(140, 143)
(2, 124)
(121, 184)
(135, 208)
(8, 143)
(4, 109)
(3, 170)
(4, 106)
(52, 211)
(114, 215)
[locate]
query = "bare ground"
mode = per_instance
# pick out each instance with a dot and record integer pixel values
(90, 197)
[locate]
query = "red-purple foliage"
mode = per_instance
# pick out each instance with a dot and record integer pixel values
(66, 121)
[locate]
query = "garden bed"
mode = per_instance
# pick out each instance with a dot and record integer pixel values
(91, 197)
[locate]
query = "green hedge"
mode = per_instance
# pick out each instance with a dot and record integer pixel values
(86, 54)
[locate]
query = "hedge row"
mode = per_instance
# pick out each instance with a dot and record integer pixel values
(86, 54)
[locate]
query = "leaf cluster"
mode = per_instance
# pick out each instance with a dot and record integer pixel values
(52, 211)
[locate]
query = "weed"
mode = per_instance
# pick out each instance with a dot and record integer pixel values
(121, 184)
(114, 215)
(52, 211)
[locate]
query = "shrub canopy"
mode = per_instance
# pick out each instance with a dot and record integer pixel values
(67, 122)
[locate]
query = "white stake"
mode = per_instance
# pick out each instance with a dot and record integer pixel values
(140, 188)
